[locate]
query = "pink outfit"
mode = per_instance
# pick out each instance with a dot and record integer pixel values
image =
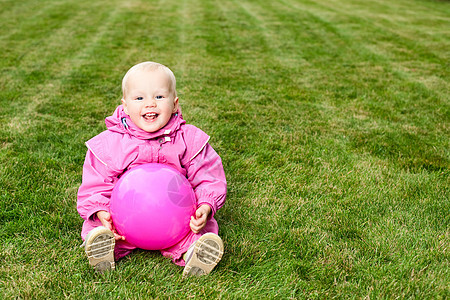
(124, 146)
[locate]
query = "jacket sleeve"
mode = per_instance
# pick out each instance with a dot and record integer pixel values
(96, 187)
(207, 177)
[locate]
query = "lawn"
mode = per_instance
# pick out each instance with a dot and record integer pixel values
(332, 119)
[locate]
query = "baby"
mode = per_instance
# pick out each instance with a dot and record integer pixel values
(148, 128)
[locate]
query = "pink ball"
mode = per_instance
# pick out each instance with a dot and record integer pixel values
(151, 205)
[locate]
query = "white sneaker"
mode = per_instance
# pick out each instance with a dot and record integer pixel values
(207, 253)
(99, 248)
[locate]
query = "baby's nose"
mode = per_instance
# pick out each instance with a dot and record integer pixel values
(151, 102)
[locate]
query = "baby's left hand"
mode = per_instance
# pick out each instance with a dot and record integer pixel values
(201, 217)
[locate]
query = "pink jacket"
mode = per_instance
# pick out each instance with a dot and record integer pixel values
(124, 146)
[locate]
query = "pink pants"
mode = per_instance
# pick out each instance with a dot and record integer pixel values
(175, 252)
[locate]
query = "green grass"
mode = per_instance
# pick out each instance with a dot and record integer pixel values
(331, 117)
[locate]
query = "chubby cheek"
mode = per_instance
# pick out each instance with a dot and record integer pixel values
(131, 110)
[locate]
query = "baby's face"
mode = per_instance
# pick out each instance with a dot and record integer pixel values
(148, 99)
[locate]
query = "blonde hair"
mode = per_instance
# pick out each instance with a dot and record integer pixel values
(151, 66)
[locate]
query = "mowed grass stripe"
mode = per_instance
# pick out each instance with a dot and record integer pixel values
(394, 38)
(34, 31)
(400, 14)
(29, 33)
(17, 15)
(55, 55)
(65, 39)
(36, 130)
(392, 101)
(396, 49)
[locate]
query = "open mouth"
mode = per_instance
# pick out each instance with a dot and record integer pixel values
(150, 116)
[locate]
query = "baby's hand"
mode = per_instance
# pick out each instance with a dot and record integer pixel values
(105, 218)
(201, 217)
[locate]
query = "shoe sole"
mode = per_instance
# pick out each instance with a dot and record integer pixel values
(208, 251)
(99, 249)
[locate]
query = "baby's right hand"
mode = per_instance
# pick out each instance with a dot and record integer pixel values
(105, 218)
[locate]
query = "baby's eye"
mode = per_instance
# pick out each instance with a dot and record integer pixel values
(139, 98)
(159, 97)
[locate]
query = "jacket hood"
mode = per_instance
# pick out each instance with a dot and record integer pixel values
(120, 122)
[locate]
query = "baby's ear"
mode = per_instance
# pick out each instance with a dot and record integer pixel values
(124, 104)
(175, 105)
